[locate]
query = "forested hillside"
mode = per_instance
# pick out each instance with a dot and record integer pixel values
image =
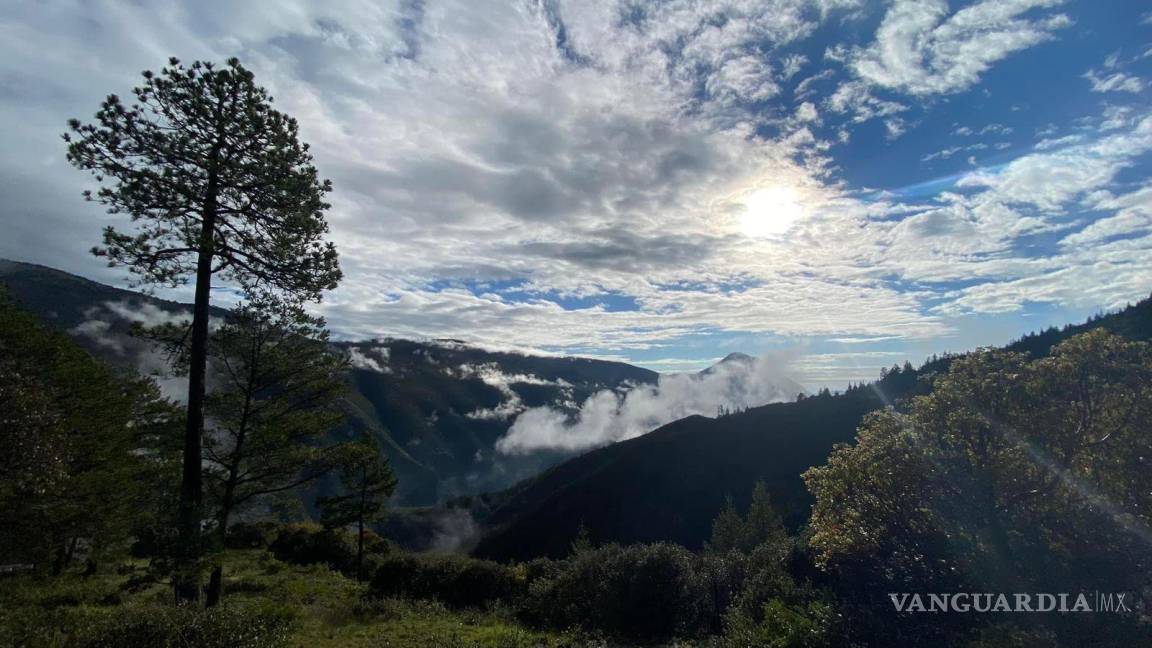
(670, 484)
(437, 407)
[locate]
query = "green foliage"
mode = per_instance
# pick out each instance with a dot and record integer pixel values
(808, 625)
(367, 481)
(762, 525)
(642, 591)
(281, 391)
(1013, 475)
(250, 535)
(216, 182)
(583, 540)
(311, 544)
(203, 163)
(727, 529)
(185, 627)
(83, 447)
(456, 581)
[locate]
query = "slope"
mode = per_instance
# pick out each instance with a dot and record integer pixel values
(668, 485)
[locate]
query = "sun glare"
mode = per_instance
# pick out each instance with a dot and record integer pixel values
(769, 212)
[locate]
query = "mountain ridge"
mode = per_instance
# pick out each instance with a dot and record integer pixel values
(438, 407)
(669, 484)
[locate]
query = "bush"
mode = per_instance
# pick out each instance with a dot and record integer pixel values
(311, 544)
(641, 591)
(779, 625)
(249, 535)
(763, 577)
(542, 568)
(456, 581)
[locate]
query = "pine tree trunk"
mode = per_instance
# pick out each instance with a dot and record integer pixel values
(58, 562)
(71, 551)
(216, 580)
(187, 578)
(215, 587)
(360, 550)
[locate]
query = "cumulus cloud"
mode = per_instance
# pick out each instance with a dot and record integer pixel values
(608, 416)
(597, 150)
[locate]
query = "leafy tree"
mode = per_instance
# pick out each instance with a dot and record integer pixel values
(368, 483)
(1012, 475)
(217, 183)
(79, 445)
(281, 390)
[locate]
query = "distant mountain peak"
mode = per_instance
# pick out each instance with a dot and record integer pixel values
(732, 358)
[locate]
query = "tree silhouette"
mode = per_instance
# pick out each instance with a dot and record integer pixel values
(216, 182)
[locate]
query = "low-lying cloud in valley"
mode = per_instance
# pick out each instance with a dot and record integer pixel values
(737, 382)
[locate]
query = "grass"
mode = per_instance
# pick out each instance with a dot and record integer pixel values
(324, 608)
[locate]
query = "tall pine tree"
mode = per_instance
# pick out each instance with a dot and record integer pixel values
(216, 183)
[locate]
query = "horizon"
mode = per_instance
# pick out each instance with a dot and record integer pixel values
(841, 185)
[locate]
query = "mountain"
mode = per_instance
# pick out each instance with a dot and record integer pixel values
(734, 357)
(437, 406)
(668, 485)
(444, 405)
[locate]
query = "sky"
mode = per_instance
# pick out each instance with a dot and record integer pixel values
(839, 185)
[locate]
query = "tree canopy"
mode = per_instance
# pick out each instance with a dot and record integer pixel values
(83, 447)
(201, 162)
(1013, 475)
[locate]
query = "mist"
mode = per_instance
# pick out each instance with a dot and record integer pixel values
(735, 383)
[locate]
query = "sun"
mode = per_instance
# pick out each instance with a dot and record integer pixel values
(769, 212)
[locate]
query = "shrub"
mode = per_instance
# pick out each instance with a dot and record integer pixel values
(763, 577)
(311, 544)
(642, 591)
(542, 568)
(456, 581)
(251, 535)
(779, 625)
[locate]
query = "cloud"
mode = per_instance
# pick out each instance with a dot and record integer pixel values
(148, 314)
(586, 152)
(370, 358)
(455, 532)
(107, 325)
(608, 416)
(922, 50)
(98, 331)
(1114, 82)
(512, 405)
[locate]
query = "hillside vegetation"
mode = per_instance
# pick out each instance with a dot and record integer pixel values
(434, 406)
(669, 484)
